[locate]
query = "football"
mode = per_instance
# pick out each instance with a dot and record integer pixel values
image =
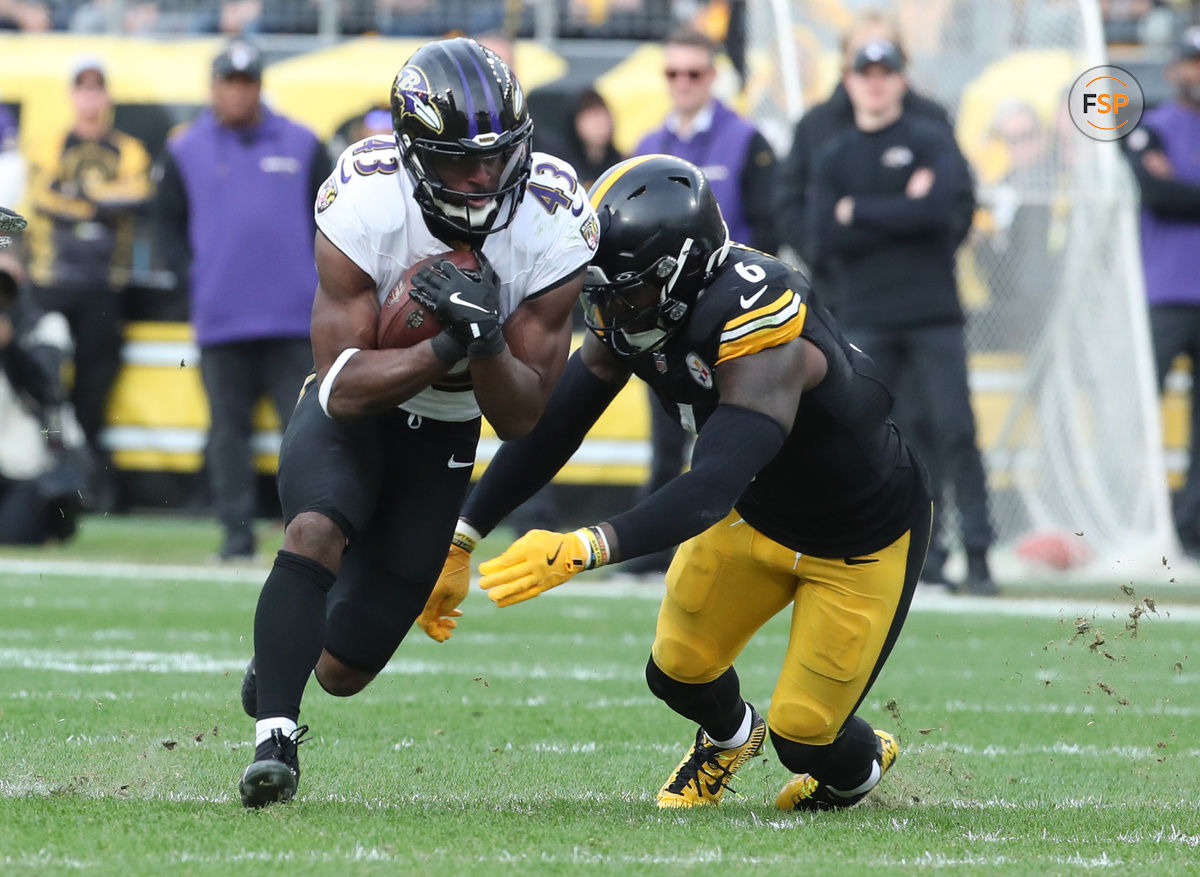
(403, 321)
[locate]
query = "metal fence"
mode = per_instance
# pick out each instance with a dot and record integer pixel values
(544, 20)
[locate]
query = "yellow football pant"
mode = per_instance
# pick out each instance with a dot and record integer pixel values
(725, 583)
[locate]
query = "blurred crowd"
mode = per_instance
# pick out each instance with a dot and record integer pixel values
(1150, 22)
(874, 195)
(585, 18)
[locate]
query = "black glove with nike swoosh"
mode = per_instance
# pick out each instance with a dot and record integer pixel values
(467, 303)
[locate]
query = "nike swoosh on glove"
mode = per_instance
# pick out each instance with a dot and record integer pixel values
(466, 304)
(437, 618)
(538, 561)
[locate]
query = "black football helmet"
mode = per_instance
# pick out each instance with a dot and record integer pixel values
(661, 238)
(455, 101)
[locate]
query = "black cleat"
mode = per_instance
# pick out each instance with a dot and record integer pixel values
(250, 691)
(272, 777)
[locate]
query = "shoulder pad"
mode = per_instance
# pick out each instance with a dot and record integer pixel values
(763, 303)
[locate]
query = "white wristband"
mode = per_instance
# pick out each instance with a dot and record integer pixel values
(468, 531)
(331, 376)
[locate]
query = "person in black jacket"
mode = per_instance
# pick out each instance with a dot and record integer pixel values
(826, 120)
(815, 129)
(882, 227)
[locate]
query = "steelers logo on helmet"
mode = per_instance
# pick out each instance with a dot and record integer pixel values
(463, 130)
(661, 239)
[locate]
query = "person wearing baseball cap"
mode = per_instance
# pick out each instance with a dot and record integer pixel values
(236, 88)
(89, 70)
(883, 52)
(883, 228)
(240, 182)
(239, 58)
(1164, 151)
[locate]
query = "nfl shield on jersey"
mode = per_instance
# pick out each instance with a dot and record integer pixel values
(367, 210)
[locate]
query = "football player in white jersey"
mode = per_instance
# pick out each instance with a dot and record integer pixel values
(377, 457)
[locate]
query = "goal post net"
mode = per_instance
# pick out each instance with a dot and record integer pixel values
(1062, 371)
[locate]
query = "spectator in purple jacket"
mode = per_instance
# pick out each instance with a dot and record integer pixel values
(1165, 153)
(736, 158)
(235, 200)
(740, 166)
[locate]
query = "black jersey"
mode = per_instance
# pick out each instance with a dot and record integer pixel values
(844, 483)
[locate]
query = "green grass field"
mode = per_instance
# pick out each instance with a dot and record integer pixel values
(1038, 736)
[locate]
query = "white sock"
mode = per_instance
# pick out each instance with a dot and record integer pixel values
(264, 727)
(738, 739)
(870, 783)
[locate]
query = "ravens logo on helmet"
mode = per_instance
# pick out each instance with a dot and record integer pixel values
(456, 104)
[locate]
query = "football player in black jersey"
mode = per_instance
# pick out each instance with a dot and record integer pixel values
(801, 491)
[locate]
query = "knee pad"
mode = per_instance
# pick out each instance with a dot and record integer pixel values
(666, 687)
(804, 719)
(681, 660)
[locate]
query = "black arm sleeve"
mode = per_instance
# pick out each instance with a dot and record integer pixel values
(733, 446)
(523, 466)
(170, 213)
(758, 194)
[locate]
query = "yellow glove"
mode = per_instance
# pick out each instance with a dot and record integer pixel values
(437, 618)
(539, 561)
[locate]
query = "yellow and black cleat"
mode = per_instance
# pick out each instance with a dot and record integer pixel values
(803, 792)
(704, 774)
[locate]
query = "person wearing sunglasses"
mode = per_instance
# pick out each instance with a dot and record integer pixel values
(739, 165)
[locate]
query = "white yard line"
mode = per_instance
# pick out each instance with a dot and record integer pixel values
(624, 588)
(115, 570)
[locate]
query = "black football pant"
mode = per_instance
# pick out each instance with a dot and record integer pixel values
(394, 484)
(235, 376)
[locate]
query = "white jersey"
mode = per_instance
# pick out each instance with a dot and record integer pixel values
(367, 210)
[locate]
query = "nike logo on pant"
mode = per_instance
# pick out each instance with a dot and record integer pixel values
(459, 464)
(858, 561)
